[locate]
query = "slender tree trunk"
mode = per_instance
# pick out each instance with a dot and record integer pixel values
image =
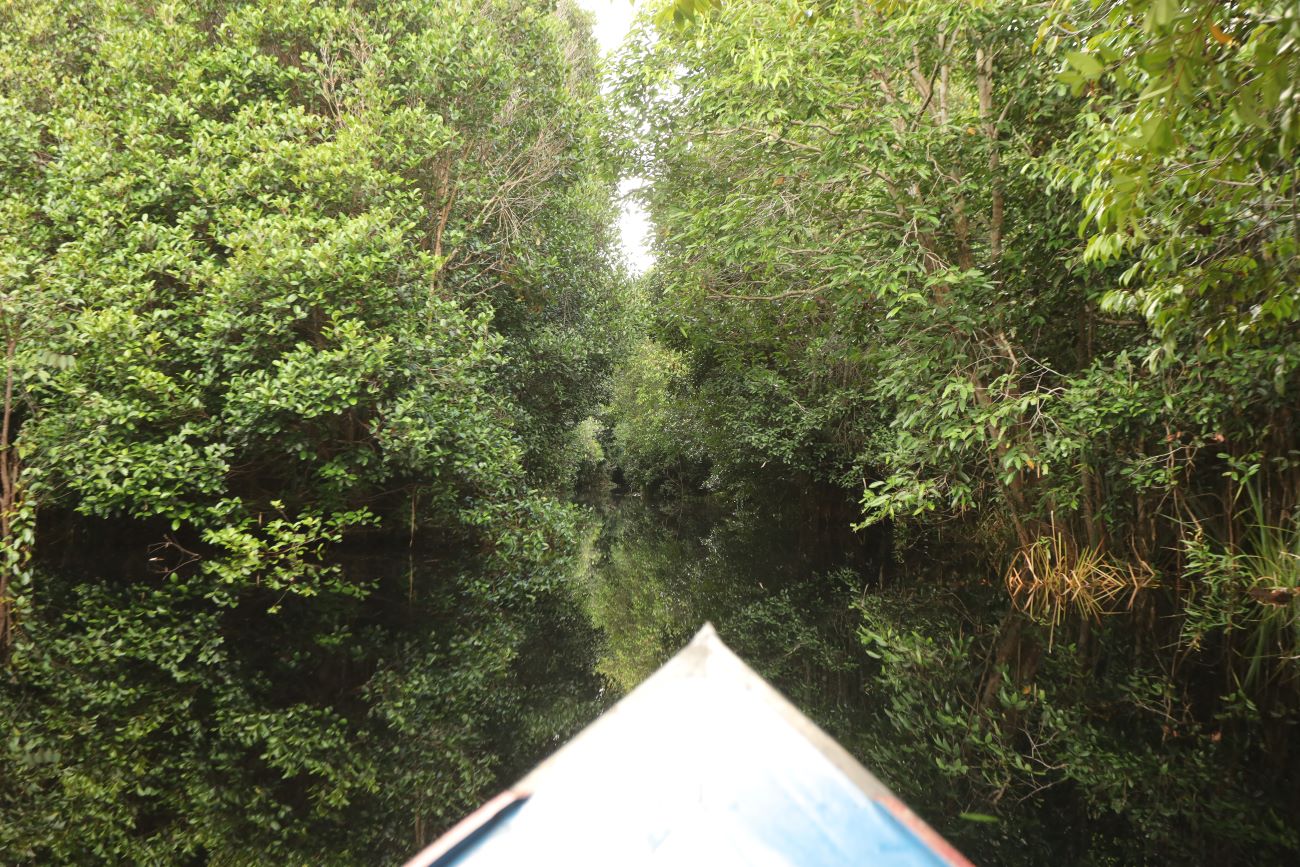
(9, 494)
(984, 87)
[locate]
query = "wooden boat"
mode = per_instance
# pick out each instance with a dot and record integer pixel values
(703, 764)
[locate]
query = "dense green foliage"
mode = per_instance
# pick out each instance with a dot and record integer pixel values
(882, 667)
(310, 324)
(1024, 278)
(278, 278)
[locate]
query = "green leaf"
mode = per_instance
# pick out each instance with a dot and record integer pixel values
(1157, 134)
(1154, 61)
(979, 817)
(1243, 108)
(1088, 65)
(1162, 13)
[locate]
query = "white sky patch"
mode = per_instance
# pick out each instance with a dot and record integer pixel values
(613, 20)
(634, 228)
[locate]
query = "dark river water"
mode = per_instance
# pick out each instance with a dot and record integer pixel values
(777, 581)
(790, 588)
(888, 656)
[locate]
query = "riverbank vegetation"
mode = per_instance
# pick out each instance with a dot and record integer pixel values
(1021, 278)
(974, 324)
(279, 279)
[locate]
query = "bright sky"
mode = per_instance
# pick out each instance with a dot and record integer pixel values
(613, 18)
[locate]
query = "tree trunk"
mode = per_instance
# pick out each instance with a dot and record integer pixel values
(9, 501)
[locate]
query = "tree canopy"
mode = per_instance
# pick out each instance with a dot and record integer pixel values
(276, 278)
(1023, 279)
(312, 319)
